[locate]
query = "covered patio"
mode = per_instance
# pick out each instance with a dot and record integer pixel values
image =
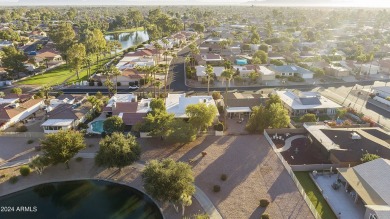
(344, 202)
(238, 111)
(54, 125)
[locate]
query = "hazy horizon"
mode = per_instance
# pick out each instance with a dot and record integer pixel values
(317, 3)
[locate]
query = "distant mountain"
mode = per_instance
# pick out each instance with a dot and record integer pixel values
(95, 2)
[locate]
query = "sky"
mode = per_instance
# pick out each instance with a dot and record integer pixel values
(336, 3)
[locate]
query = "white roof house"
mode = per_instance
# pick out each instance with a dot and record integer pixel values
(132, 62)
(305, 100)
(299, 103)
(201, 71)
(177, 103)
(371, 182)
(121, 98)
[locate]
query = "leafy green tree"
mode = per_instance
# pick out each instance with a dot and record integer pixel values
(16, 90)
(95, 43)
(113, 124)
(367, 157)
(255, 38)
(273, 98)
(157, 105)
(118, 151)
(158, 123)
(135, 17)
(63, 36)
(308, 117)
(278, 116)
(263, 56)
(258, 120)
(181, 132)
(97, 101)
(76, 57)
(13, 60)
(169, 181)
(60, 147)
(201, 115)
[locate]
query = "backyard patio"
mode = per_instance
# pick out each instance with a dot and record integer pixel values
(340, 200)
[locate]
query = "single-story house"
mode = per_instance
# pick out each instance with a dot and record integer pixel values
(209, 58)
(292, 70)
(134, 61)
(177, 103)
(14, 112)
(128, 108)
(49, 56)
(66, 116)
(346, 146)
(266, 74)
(201, 72)
(65, 99)
(369, 182)
(299, 103)
(337, 71)
(239, 104)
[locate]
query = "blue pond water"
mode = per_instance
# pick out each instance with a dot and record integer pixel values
(82, 199)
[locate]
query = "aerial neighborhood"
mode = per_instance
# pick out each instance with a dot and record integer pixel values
(195, 112)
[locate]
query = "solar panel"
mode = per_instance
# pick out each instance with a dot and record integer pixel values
(310, 101)
(293, 68)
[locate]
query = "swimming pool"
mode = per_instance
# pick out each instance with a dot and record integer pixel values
(97, 126)
(80, 199)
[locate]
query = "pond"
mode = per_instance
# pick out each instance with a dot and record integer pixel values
(128, 40)
(79, 199)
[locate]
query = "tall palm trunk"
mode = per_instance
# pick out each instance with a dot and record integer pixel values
(154, 83)
(208, 85)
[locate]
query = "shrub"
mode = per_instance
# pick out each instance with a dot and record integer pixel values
(24, 170)
(78, 159)
(264, 203)
(216, 188)
(13, 179)
(223, 177)
(21, 128)
(218, 127)
(30, 141)
(131, 83)
(91, 83)
(216, 95)
(265, 216)
(100, 83)
(118, 83)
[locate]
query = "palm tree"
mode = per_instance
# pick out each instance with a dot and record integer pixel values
(158, 48)
(209, 74)
(46, 89)
(115, 72)
(228, 75)
(157, 84)
(153, 70)
(166, 53)
(88, 61)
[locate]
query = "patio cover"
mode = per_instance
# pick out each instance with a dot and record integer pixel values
(238, 110)
(361, 187)
(58, 122)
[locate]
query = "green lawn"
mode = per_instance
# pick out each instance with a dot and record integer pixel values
(125, 30)
(52, 77)
(315, 195)
(60, 74)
